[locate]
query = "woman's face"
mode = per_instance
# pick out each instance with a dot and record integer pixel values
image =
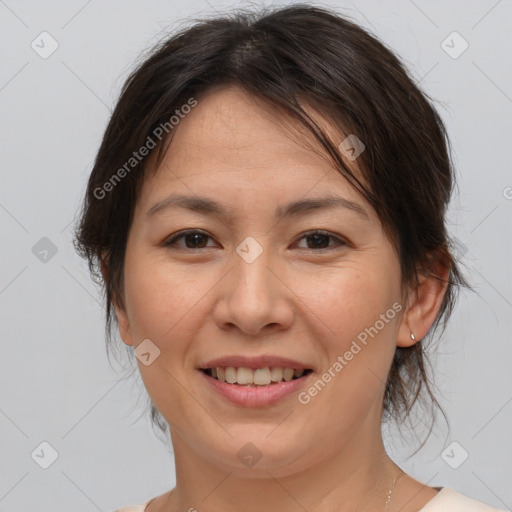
(257, 282)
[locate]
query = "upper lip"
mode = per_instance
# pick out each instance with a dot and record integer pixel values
(262, 361)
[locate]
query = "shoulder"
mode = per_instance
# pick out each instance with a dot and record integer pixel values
(449, 500)
(134, 508)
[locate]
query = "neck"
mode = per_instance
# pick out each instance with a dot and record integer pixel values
(356, 477)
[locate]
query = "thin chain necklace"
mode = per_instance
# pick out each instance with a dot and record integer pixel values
(390, 492)
(388, 499)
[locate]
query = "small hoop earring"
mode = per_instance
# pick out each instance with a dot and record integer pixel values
(413, 338)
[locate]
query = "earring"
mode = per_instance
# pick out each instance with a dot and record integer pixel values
(413, 338)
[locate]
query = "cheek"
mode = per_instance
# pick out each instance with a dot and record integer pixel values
(359, 308)
(157, 297)
(348, 302)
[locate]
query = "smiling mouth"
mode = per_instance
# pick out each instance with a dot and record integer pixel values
(260, 377)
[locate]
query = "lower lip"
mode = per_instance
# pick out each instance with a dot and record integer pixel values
(255, 396)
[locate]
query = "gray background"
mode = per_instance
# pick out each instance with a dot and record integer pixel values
(56, 383)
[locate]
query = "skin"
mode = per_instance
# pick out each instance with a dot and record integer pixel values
(294, 300)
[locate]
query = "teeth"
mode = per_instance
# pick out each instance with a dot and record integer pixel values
(260, 377)
(277, 374)
(244, 376)
(288, 374)
(231, 375)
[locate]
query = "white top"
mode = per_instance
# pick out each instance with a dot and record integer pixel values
(446, 500)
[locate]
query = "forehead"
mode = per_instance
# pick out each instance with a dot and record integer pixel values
(237, 140)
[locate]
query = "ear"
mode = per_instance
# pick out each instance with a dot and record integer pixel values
(424, 303)
(119, 309)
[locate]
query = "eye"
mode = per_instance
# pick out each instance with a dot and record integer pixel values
(194, 239)
(320, 240)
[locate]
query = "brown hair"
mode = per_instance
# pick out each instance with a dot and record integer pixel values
(282, 56)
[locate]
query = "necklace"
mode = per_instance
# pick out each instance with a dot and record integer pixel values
(390, 492)
(388, 498)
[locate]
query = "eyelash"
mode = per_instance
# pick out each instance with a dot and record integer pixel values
(171, 243)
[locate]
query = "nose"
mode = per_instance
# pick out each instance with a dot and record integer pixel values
(254, 297)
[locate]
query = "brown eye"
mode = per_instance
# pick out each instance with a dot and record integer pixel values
(320, 240)
(193, 240)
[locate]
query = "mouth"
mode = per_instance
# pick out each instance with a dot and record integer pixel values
(260, 386)
(258, 377)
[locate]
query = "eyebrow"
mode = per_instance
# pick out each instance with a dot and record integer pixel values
(297, 208)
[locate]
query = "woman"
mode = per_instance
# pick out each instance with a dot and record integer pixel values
(267, 210)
